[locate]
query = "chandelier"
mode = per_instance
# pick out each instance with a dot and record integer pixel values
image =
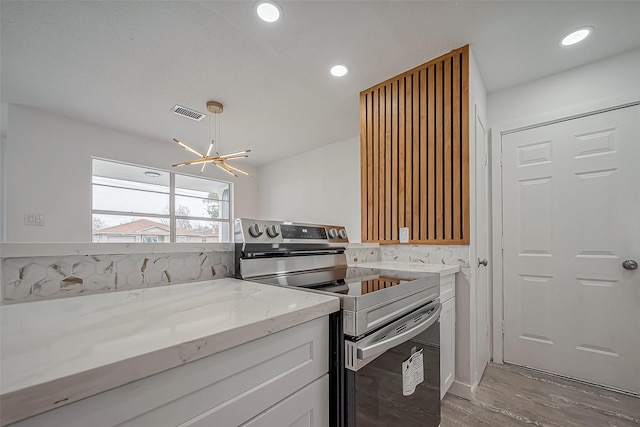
(219, 160)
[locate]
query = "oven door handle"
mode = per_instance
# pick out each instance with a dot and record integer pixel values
(399, 338)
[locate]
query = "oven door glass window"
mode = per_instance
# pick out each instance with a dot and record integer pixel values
(376, 390)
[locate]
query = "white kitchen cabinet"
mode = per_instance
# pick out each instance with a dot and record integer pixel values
(308, 407)
(447, 332)
(280, 379)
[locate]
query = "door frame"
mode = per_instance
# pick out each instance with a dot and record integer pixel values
(497, 206)
(482, 162)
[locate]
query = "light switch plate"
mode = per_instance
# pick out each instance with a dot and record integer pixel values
(404, 235)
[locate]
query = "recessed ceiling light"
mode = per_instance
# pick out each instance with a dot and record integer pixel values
(576, 36)
(268, 11)
(339, 70)
(152, 174)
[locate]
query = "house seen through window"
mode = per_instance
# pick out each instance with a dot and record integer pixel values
(137, 204)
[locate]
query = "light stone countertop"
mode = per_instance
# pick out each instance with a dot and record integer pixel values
(442, 269)
(58, 351)
(15, 250)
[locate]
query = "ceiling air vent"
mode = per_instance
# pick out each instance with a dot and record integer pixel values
(187, 112)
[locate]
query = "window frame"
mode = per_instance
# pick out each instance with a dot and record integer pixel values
(171, 216)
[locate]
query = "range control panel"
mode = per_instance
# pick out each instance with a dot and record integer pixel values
(262, 231)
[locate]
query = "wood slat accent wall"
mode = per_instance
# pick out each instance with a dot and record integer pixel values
(414, 148)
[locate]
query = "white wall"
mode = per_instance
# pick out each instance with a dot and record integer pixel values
(4, 116)
(48, 171)
(320, 186)
(601, 84)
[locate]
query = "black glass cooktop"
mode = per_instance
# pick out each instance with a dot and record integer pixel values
(352, 281)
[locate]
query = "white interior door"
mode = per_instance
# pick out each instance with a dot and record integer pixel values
(571, 216)
(482, 248)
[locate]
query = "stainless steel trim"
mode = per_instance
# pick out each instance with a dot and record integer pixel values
(399, 331)
(255, 267)
(411, 283)
(358, 322)
(242, 225)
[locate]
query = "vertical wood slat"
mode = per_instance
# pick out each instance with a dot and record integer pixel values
(457, 148)
(464, 124)
(431, 156)
(408, 151)
(423, 155)
(364, 166)
(394, 160)
(447, 149)
(438, 152)
(376, 163)
(370, 197)
(401, 154)
(415, 169)
(382, 161)
(388, 164)
(415, 159)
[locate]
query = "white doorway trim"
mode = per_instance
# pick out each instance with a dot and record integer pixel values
(497, 214)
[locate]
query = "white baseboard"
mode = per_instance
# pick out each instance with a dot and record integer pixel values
(463, 390)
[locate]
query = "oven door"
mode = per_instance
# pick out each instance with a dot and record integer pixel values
(394, 376)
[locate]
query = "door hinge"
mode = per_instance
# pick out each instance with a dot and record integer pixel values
(503, 327)
(500, 159)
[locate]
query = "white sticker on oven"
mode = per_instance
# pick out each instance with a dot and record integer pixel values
(412, 373)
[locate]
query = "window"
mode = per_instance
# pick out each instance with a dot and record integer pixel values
(138, 204)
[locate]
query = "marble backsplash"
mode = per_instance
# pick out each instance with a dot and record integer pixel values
(426, 254)
(27, 279)
(423, 254)
(429, 254)
(36, 278)
(358, 253)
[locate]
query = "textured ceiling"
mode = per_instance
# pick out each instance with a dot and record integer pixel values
(125, 64)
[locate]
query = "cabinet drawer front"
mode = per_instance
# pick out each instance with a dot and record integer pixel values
(308, 407)
(235, 384)
(447, 287)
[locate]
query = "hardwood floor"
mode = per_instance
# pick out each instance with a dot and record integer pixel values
(513, 396)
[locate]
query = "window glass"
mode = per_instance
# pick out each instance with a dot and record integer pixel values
(202, 198)
(130, 229)
(116, 198)
(133, 204)
(195, 231)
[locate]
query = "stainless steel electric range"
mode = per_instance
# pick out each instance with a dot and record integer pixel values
(385, 341)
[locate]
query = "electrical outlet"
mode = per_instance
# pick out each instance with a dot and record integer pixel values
(33, 219)
(404, 234)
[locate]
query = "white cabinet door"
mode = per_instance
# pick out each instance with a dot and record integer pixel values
(571, 216)
(308, 407)
(222, 390)
(447, 345)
